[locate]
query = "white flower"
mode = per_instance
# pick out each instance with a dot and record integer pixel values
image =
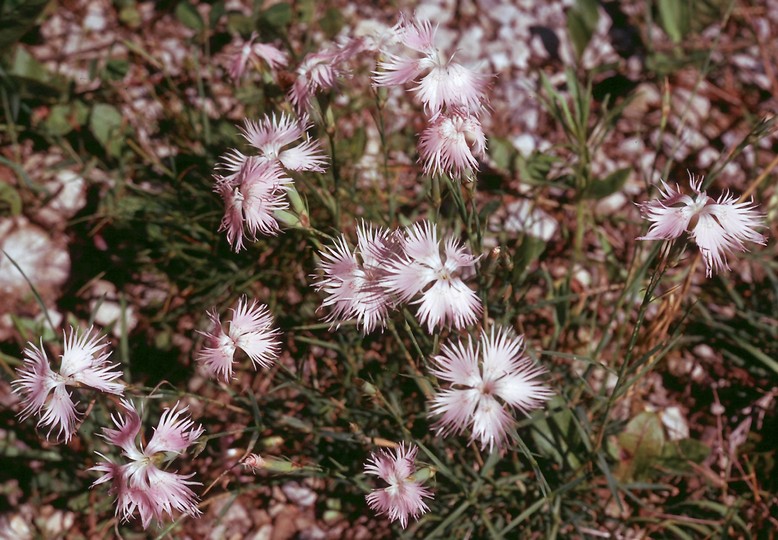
(140, 484)
(445, 299)
(718, 227)
(404, 496)
(478, 375)
(84, 364)
(250, 330)
(451, 144)
(441, 82)
(252, 192)
(243, 51)
(272, 136)
(321, 70)
(353, 280)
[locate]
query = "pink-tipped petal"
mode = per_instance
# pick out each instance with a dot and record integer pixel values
(718, 227)
(403, 497)
(484, 384)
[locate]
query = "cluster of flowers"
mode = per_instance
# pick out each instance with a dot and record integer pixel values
(318, 71)
(140, 483)
(388, 268)
(254, 187)
(453, 97)
(485, 383)
(482, 383)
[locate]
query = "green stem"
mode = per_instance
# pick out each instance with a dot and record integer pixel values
(335, 177)
(647, 298)
(385, 151)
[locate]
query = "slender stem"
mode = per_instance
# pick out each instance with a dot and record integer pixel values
(390, 187)
(755, 184)
(435, 194)
(335, 176)
(421, 380)
(647, 297)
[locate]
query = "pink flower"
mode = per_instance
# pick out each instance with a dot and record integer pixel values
(252, 191)
(353, 280)
(250, 330)
(271, 135)
(320, 71)
(718, 227)
(248, 50)
(445, 299)
(451, 144)
(139, 484)
(478, 376)
(443, 83)
(404, 496)
(84, 364)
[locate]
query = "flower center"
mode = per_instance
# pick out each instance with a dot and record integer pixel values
(487, 388)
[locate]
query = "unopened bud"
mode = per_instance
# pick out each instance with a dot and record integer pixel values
(298, 204)
(424, 474)
(254, 462)
(281, 465)
(366, 387)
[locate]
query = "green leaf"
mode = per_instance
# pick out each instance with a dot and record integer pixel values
(535, 167)
(10, 201)
(217, 10)
(599, 189)
(106, 125)
(331, 22)
(502, 152)
(525, 254)
(130, 15)
(116, 69)
(678, 455)
(278, 16)
(675, 18)
(57, 123)
(641, 445)
(17, 19)
(306, 10)
(237, 23)
(31, 79)
(63, 118)
(24, 65)
(581, 23)
(555, 435)
(189, 16)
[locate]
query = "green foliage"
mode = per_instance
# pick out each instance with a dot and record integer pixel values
(675, 17)
(595, 458)
(585, 130)
(277, 17)
(582, 21)
(189, 16)
(609, 185)
(10, 201)
(331, 22)
(105, 122)
(17, 17)
(29, 79)
(641, 445)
